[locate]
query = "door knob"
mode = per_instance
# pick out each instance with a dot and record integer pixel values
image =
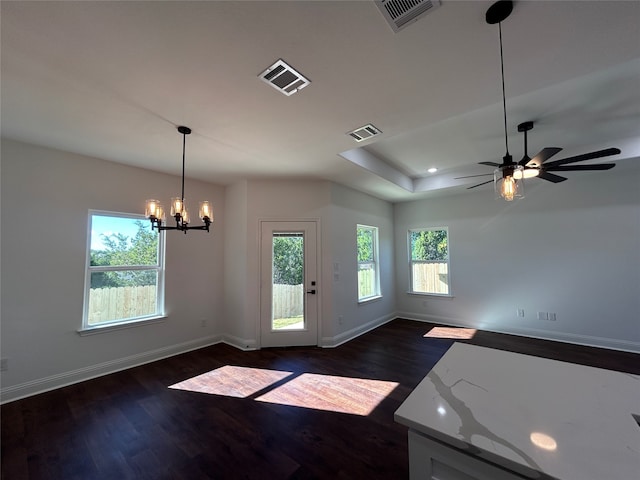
(312, 292)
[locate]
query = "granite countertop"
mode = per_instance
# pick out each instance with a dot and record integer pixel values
(537, 417)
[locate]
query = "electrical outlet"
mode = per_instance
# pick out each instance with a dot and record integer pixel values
(543, 316)
(552, 317)
(340, 319)
(203, 322)
(520, 312)
(4, 365)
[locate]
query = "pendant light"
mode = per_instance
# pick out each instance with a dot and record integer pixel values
(508, 178)
(154, 210)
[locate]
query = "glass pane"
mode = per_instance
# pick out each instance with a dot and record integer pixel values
(121, 241)
(287, 305)
(122, 295)
(366, 280)
(429, 245)
(365, 244)
(430, 278)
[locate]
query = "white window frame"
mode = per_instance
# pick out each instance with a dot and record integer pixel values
(374, 262)
(159, 268)
(412, 262)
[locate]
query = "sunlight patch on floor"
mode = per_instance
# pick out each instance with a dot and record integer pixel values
(356, 396)
(232, 381)
(451, 333)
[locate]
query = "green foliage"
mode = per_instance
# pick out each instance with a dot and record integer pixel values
(288, 260)
(121, 251)
(365, 244)
(429, 245)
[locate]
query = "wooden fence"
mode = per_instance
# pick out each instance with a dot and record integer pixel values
(106, 304)
(287, 301)
(431, 278)
(366, 283)
(117, 303)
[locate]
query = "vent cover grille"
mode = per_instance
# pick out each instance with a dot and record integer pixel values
(400, 13)
(365, 133)
(284, 78)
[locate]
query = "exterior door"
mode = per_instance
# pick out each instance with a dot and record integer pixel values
(288, 284)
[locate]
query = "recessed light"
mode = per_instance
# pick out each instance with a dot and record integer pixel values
(432, 170)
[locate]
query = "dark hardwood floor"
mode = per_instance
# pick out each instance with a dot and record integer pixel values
(130, 425)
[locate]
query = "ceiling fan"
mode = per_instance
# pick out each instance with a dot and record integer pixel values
(536, 166)
(508, 175)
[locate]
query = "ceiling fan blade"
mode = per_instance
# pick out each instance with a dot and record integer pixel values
(524, 160)
(551, 177)
(577, 168)
(480, 184)
(491, 164)
(472, 176)
(542, 156)
(585, 156)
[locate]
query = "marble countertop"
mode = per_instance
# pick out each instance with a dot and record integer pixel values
(535, 416)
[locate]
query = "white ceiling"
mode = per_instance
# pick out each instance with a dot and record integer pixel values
(114, 79)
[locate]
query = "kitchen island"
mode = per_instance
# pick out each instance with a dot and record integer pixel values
(489, 414)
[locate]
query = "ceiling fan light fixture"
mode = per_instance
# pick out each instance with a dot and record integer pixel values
(508, 181)
(527, 172)
(508, 178)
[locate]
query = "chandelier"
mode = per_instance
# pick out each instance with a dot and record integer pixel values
(154, 210)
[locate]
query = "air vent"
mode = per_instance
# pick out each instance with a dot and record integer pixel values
(365, 133)
(284, 78)
(400, 13)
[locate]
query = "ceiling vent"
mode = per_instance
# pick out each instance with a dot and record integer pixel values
(400, 13)
(284, 78)
(365, 133)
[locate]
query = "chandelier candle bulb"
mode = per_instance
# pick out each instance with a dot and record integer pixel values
(151, 209)
(177, 206)
(205, 210)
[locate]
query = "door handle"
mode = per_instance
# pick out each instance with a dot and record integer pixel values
(312, 292)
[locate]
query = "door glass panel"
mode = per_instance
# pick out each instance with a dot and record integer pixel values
(287, 302)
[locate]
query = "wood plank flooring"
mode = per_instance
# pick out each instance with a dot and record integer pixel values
(131, 425)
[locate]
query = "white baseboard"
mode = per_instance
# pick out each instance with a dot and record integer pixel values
(586, 340)
(240, 343)
(52, 382)
(331, 342)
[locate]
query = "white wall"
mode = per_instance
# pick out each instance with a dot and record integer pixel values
(235, 266)
(571, 248)
(338, 210)
(348, 209)
(46, 196)
(283, 200)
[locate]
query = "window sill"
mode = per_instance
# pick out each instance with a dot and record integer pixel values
(369, 300)
(436, 295)
(83, 332)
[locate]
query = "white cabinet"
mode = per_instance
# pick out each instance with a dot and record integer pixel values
(432, 460)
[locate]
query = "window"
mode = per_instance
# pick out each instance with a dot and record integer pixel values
(368, 274)
(429, 261)
(125, 270)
